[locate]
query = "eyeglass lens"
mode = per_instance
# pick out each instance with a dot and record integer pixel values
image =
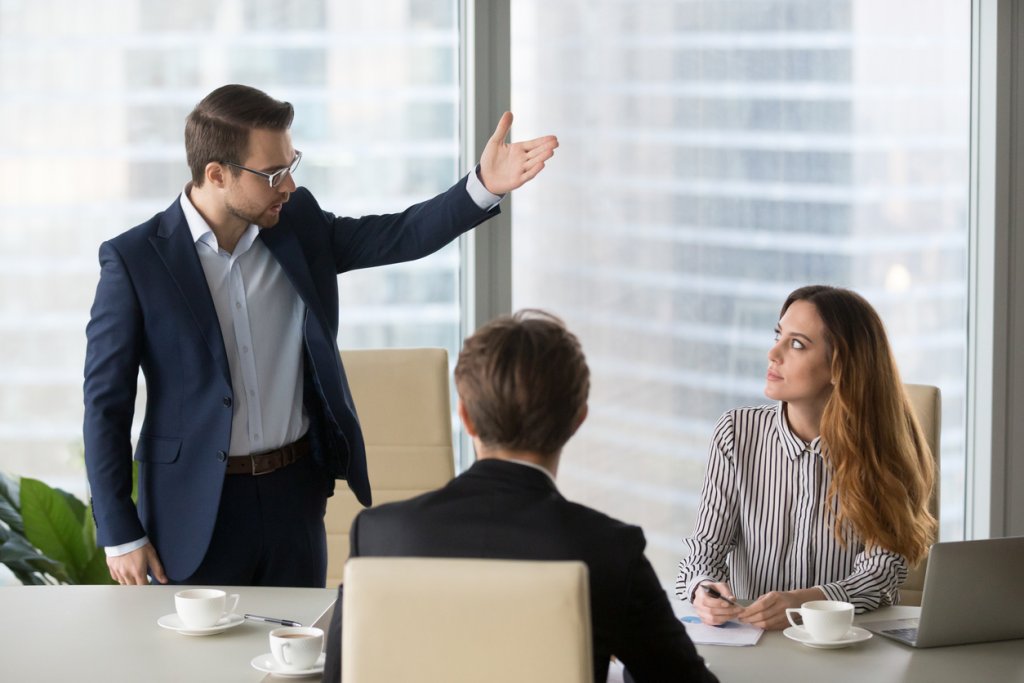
(278, 176)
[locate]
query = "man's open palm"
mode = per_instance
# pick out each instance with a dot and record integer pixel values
(507, 166)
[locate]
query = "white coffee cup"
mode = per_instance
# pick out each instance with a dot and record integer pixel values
(203, 607)
(824, 620)
(296, 648)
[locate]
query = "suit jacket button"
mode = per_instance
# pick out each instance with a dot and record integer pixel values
(227, 401)
(222, 456)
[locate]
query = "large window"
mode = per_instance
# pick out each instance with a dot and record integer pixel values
(714, 156)
(93, 96)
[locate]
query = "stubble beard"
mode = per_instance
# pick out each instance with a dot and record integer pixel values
(262, 221)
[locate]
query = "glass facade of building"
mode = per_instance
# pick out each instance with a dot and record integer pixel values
(93, 96)
(715, 156)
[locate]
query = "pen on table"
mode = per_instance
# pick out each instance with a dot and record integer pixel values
(715, 594)
(272, 620)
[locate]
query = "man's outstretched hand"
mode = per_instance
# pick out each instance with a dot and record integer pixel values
(507, 166)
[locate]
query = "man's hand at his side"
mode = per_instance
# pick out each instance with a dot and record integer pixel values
(131, 569)
(507, 166)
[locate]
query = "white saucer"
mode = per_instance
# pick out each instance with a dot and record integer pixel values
(267, 664)
(172, 622)
(800, 635)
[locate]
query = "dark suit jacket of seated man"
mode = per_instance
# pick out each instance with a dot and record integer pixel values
(506, 506)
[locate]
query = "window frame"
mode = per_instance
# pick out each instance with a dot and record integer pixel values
(995, 381)
(994, 482)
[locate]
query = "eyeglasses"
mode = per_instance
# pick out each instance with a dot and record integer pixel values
(278, 176)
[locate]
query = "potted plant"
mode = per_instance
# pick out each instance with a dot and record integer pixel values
(47, 535)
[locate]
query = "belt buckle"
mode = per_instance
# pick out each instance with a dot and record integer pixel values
(252, 460)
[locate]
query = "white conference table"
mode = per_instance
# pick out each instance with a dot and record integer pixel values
(110, 634)
(878, 660)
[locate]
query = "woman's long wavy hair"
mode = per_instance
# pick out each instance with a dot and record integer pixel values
(883, 471)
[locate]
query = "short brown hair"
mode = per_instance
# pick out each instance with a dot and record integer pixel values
(524, 382)
(218, 128)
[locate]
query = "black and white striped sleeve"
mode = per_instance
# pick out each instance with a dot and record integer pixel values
(714, 534)
(875, 580)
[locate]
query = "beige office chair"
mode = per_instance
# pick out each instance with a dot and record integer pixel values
(465, 621)
(404, 408)
(927, 404)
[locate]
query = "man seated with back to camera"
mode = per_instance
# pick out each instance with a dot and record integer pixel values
(523, 382)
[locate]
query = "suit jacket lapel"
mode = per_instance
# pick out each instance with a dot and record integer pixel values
(173, 242)
(285, 247)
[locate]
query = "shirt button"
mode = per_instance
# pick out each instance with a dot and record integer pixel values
(245, 349)
(227, 401)
(222, 456)
(238, 305)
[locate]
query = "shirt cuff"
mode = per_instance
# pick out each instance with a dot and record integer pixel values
(691, 588)
(833, 591)
(480, 195)
(125, 548)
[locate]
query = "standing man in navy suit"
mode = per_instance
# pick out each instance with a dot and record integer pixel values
(228, 302)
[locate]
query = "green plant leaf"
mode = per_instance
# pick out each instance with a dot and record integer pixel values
(135, 481)
(25, 561)
(9, 504)
(76, 506)
(55, 541)
(96, 571)
(51, 526)
(89, 528)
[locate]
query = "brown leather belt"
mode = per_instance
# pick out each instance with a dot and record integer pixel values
(265, 463)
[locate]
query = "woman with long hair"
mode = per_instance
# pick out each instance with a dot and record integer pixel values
(823, 495)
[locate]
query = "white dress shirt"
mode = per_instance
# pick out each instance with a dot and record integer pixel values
(260, 316)
(762, 524)
(539, 468)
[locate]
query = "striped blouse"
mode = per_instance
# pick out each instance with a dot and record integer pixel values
(762, 524)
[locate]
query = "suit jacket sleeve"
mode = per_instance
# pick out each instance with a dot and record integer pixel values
(717, 527)
(654, 645)
(112, 360)
(418, 231)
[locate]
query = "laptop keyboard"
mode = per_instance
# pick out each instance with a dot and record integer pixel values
(903, 633)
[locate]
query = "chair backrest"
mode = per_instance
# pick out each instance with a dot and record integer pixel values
(465, 621)
(404, 408)
(927, 404)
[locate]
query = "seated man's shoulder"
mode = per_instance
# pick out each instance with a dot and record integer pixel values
(605, 529)
(398, 508)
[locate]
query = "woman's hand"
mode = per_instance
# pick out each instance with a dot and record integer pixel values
(715, 611)
(769, 610)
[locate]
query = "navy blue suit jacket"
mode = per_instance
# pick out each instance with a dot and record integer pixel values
(504, 510)
(153, 311)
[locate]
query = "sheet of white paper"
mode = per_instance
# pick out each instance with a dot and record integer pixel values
(732, 633)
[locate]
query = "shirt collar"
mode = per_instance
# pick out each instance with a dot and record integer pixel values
(792, 444)
(201, 231)
(534, 466)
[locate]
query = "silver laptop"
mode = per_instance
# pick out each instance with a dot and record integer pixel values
(973, 593)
